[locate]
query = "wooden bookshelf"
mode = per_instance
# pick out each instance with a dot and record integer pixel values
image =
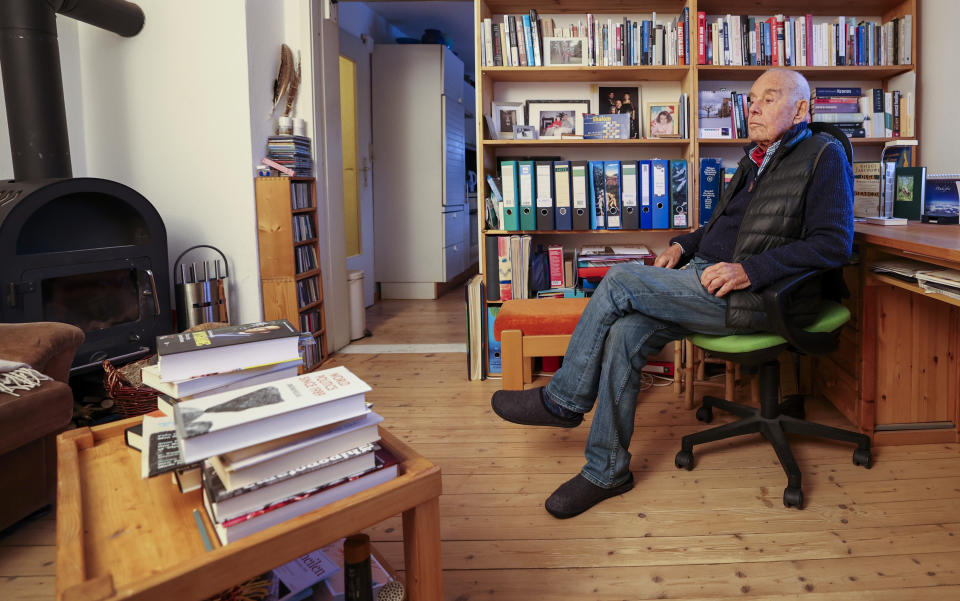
(279, 277)
(497, 83)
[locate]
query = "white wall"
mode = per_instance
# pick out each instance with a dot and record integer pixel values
(940, 87)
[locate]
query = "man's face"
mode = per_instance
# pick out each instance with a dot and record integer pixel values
(772, 112)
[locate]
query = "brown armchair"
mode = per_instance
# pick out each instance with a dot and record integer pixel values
(29, 424)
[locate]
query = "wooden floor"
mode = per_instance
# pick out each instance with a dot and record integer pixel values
(718, 532)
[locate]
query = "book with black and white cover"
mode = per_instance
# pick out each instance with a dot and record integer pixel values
(228, 504)
(275, 513)
(214, 383)
(253, 464)
(220, 423)
(161, 451)
(220, 350)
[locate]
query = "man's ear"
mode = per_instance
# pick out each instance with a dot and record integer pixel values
(803, 109)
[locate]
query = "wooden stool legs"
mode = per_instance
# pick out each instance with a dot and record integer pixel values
(511, 359)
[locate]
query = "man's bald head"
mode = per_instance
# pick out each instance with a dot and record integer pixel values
(779, 99)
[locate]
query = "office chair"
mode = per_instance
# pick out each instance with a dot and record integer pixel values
(775, 419)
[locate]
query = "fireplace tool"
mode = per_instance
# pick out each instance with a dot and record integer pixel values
(201, 293)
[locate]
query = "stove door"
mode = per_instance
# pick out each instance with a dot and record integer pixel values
(113, 302)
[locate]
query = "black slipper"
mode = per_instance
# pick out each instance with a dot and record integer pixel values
(526, 407)
(578, 494)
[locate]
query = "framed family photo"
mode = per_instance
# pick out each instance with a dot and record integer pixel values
(662, 119)
(505, 115)
(564, 51)
(553, 118)
(617, 100)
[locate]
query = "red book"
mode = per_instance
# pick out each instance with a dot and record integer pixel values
(555, 259)
(809, 27)
(837, 100)
(701, 39)
(681, 58)
(774, 55)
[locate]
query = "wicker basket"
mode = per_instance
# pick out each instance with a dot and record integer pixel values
(129, 401)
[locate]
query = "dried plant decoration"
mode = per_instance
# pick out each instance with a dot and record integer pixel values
(285, 75)
(294, 88)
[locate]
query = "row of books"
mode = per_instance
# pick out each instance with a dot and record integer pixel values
(871, 113)
(803, 41)
(310, 320)
(907, 192)
(300, 195)
(308, 291)
(306, 258)
(553, 195)
(303, 227)
(292, 152)
(265, 444)
(528, 40)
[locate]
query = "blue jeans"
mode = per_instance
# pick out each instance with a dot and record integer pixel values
(635, 311)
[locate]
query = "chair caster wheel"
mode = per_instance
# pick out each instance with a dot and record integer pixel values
(705, 414)
(863, 457)
(793, 497)
(684, 460)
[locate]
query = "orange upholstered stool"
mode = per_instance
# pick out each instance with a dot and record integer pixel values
(536, 327)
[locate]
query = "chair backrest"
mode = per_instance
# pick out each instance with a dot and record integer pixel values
(836, 132)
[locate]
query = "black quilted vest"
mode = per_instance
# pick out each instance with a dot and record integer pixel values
(773, 218)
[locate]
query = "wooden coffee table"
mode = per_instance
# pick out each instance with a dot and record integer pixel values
(121, 537)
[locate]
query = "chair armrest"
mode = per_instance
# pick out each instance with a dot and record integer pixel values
(778, 298)
(46, 346)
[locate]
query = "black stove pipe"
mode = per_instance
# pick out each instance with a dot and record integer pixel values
(32, 81)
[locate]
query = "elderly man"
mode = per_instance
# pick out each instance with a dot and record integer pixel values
(789, 209)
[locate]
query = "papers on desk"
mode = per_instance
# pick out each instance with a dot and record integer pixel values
(933, 281)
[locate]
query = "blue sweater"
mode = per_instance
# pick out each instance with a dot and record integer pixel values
(828, 219)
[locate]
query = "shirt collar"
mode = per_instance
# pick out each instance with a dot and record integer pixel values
(761, 158)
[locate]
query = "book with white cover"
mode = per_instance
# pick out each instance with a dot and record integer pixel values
(220, 423)
(228, 504)
(181, 389)
(253, 464)
(240, 527)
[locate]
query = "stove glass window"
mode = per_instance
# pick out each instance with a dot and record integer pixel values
(93, 301)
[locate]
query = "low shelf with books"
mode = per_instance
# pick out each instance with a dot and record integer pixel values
(586, 73)
(290, 274)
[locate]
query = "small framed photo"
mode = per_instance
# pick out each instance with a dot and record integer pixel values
(564, 51)
(525, 132)
(553, 118)
(619, 100)
(662, 120)
(505, 115)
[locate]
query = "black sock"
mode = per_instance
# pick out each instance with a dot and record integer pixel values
(555, 408)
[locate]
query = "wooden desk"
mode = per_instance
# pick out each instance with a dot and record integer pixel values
(120, 537)
(896, 374)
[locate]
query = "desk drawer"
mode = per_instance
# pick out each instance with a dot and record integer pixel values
(838, 387)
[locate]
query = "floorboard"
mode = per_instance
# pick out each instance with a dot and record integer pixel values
(719, 532)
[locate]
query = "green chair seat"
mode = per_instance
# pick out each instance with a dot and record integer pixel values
(831, 316)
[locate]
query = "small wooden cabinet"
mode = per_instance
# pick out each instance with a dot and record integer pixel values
(290, 278)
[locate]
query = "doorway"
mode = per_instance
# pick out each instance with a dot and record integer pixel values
(356, 145)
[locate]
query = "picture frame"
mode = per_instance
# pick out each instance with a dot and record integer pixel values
(525, 132)
(620, 100)
(553, 118)
(662, 119)
(565, 52)
(505, 115)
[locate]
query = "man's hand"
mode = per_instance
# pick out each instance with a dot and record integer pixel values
(721, 278)
(669, 257)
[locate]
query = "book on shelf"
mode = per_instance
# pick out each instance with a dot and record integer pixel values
(220, 350)
(473, 292)
(866, 188)
(219, 423)
(280, 511)
(222, 382)
(230, 503)
(302, 573)
(255, 463)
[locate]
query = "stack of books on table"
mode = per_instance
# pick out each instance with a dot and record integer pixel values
(265, 445)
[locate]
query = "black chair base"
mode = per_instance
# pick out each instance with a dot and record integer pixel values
(774, 420)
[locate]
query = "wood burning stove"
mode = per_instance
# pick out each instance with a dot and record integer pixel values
(85, 251)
